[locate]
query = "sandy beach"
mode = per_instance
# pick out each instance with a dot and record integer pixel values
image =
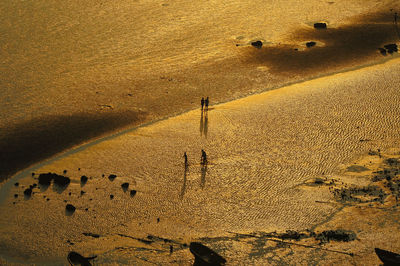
(300, 141)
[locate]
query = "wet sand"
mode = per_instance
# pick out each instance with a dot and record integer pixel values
(61, 63)
(261, 149)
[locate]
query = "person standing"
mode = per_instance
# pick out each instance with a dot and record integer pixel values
(186, 159)
(203, 157)
(202, 103)
(206, 103)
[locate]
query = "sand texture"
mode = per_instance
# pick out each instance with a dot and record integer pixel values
(299, 140)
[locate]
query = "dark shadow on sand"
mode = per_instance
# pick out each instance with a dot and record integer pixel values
(183, 190)
(203, 175)
(349, 45)
(40, 138)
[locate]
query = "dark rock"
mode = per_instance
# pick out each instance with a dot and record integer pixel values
(70, 208)
(257, 44)
(204, 255)
(125, 186)
(112, 177)
(92, 235)
(133, 192)
(61, 181)
(28, 192)
(111, 196)
(336, 235)
(75, 258)
(318, 181)
(33, 174)
(388, 257)
(45, 179)
(382, 51)
(16, 184)
(82, 192)
(391, 48)
(84, 180)
(310, 44)
(15, 195)
(64, 172)
(320, 25)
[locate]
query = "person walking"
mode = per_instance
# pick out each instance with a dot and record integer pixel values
(186, 159)
(203, 157)
(202, 103)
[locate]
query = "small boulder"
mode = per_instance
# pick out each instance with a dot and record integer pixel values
(112, 177)
(70, 208)
(310, 44)
(133, 192)
(16, 184)
(61, 181)
(391, 48)
(125, 186)
(84, 180)
(257, 44)
(320, 25)
(28, 192)
(204, 255)
(111, 196)
(382, 51)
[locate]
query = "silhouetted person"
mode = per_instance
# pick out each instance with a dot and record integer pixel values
(206, 102)
(202, 103)
(203, 157)
(186, 159)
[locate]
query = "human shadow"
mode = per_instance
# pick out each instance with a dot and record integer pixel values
(183, 190)
(203, 175)
(204, 123)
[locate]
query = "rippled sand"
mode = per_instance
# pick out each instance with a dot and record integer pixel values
(73, 73)
(260, 149)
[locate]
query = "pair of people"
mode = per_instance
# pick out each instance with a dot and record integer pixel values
(204, 103)
(203, 158)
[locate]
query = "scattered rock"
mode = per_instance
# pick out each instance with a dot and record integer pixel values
(45, 179)
(125, 186)
(61, 181)
(84, 180)
(391, 48)
(82, 192)
(257, 44)
(28, 192)
(310, 44)
(92, 235)
(112, 177)
(75, 258)
(15, 195)
(70, 208)
(111, 196)
(320, 25)
(204, 255)
(382, 51)
(16, 184)
(133, 192)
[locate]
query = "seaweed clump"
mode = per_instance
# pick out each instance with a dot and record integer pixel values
(336, 235)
